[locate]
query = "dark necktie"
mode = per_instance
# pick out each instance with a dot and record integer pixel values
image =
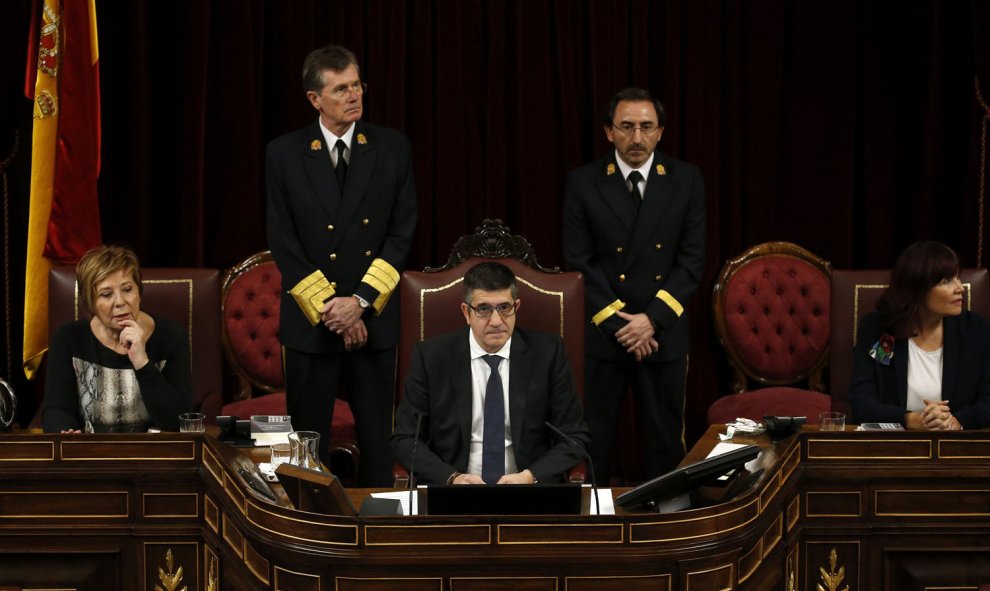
(493, 446)
(341, 169)
(634, 178)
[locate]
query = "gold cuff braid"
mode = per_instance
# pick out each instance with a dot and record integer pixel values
(383, 278)
(607, 311)
(664, 296)
(310, 293)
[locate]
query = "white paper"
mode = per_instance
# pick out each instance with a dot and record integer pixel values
(723, 448)
(608, 504)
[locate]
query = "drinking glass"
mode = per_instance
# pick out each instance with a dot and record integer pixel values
(831, 421)
(281, 453)
(304, 449)
(192, 422)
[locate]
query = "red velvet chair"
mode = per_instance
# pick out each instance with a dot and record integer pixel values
(854, 295)
(552, 302)
(190, 297)
(771, 313)
(250, 300)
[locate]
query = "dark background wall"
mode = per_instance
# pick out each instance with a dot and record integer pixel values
(849, 127)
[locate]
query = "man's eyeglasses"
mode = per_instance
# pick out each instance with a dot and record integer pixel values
(343, 91)
(629, 128)
(485, 310)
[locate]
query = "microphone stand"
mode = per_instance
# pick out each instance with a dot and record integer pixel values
(591, 465)
(412, 460)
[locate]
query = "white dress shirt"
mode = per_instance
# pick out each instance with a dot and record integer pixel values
(480, 371)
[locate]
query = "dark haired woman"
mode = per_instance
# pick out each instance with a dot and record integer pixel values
(920, 360)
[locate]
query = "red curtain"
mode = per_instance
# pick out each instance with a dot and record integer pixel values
(848, 127)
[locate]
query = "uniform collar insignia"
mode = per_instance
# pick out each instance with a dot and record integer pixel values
(610, 169)
(316, 145)
(661, 170)
(361, 139)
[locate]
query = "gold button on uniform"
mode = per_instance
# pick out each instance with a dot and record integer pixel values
(659, 246)
(333, 256)
(333, 284)
(658, 278)
(364, 222)
(622, 277)
(367, 253)
(330, 228)
(618, 249)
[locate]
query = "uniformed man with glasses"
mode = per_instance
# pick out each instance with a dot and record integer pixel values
(482, 396)
(634, 225)
(341, 216)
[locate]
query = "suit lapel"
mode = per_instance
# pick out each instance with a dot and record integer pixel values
(900, 362)
(520, 369)
(359, 171)
(460, 377)
(950, 357)
(319, 169)
(615, 193)
(659, 197)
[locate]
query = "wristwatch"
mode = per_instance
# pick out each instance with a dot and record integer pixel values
(362, 302)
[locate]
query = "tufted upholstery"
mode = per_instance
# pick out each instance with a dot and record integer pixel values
(190, 297)
(854, 295)
(771, 311)
(250, 301)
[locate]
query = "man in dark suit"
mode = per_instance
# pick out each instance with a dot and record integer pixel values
(634, 225)
(471, 433)
(341, 215)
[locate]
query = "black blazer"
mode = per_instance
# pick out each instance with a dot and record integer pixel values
(878, 393)
(312, 227)
(652, 261)
(541, 388)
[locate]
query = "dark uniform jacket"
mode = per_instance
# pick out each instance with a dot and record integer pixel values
(326, 244)
(650, 262)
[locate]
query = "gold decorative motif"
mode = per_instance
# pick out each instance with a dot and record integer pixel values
(316, 145)
(171, 579)
(212, 580)
(310, 293)
(833, 578)
(661, 170)
(791, 583)
(664, 296)
(383, 278)
(44, 105)
(361, 139)
(610, 169)
(49, 42)
(607, 311)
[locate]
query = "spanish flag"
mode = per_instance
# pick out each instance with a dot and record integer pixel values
(64, 221)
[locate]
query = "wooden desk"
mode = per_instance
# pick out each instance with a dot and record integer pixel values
(891, 510)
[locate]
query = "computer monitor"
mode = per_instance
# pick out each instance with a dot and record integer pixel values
(686, 478)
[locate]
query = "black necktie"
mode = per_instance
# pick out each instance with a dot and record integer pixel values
(341, 169)
(634, 178)
(493, 445)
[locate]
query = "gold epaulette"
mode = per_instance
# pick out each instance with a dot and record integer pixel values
(383, 278)
(310, 293)
(664, 296)
(607, 311)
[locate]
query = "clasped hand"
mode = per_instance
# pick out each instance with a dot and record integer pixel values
(342, 315)
(638, 335)
(936, 416)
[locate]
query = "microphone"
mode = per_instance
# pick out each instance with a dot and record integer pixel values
(591, 465)
(412, 460)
